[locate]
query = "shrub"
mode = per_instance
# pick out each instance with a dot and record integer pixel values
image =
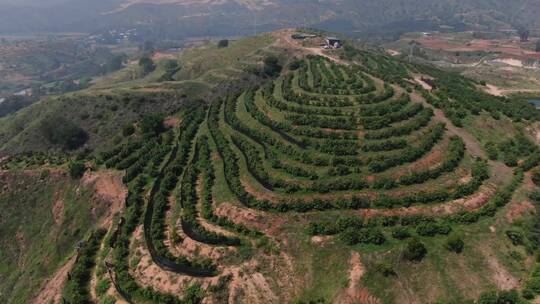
(415, 250)
(385, 269)
(223, 43)
(528, 293)
(152, 124)
(271, 66)
(60, 131)
(102, 286)
(510, 160)
(533, 283)
(454, 243)
(44, 174)
(76, 169)
(147, 65)
(295, 65)
(536, 177)
(508, 297)
(108, 300)
(128, 130)
(352, 236)
(401, 233)
(491, 150)
(114, 63)
(535, 196)
(489, 297)
(432, 229)
(516, 237)
(316, 301)
(349, 236)
(193, 294)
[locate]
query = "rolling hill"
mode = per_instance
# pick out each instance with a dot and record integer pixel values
(313, 176)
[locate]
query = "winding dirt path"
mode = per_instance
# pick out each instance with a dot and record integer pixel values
(51, 292)
(500, 275)
(518, 208)
(499, 169)
(284, 39)
(355, 293)
(473, 146)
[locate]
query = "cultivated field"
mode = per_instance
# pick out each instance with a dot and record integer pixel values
(359, 179)
(502, 60)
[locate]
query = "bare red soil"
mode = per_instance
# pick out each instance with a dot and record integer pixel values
(355, 292)
(509, 47)
(51, 292)
(109, 193)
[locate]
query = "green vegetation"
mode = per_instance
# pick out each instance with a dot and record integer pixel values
(454, 243)
(415, 250)
(291, 175)
(128, 130)
(76, 169)
(62, 132)
(80, 120)
(115, 63)
(147, 65)
(76, 289)
(45, 239)
(271, 66)
(152, 125)
(536, 177)
(493, 297)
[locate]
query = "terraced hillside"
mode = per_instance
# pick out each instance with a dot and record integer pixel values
(332, 182)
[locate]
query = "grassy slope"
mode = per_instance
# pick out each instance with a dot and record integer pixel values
(203, 66)
(101, 115)
(489, 258)
(28, 200)
(122, 98)
(445, 275)
(41, 244)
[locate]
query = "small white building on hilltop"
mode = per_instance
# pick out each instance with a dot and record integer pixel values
(333, 42)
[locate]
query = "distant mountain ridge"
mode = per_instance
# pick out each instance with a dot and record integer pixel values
(239, 17)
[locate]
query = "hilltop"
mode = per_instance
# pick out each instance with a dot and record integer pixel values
(272, 171)
(119, 99)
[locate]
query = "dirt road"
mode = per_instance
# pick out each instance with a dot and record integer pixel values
(51, 292)
(287, 41)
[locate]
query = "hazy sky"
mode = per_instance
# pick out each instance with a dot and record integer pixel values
(32, 2)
